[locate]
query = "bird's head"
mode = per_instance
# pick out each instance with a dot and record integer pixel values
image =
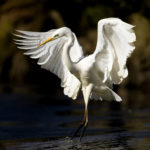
(64, 31)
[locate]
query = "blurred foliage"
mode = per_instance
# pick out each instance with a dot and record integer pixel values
(82, 17)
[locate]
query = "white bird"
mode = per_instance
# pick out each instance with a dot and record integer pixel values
(59, 52)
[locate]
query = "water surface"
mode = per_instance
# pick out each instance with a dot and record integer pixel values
(39, 123)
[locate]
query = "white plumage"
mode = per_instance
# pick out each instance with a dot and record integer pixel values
(59, 52)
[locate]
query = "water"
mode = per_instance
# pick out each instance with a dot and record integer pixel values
(40, 123)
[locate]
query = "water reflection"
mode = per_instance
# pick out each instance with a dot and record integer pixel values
(28, 125)
(117, 125)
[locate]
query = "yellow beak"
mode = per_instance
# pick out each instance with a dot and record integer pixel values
(51, 38)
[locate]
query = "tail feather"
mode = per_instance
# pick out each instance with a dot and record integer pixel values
(104, 93)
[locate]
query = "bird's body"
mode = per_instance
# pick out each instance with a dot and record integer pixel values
(59, 52)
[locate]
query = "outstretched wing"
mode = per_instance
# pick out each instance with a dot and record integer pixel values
(49, 57)
(114, 46)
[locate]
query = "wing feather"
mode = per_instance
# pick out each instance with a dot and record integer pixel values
(34, 51)
(114, 46)
(50, 55)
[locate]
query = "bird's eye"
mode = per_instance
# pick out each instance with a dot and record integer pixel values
(56, 35)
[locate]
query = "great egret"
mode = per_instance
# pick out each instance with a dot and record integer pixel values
(59, 52)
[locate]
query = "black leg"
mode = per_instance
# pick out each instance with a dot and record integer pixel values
(83, 131)
(83, 125)
(78, 129)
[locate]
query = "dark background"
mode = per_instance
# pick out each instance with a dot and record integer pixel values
(21, 75)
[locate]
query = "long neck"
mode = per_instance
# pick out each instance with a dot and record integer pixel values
(66, 56)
